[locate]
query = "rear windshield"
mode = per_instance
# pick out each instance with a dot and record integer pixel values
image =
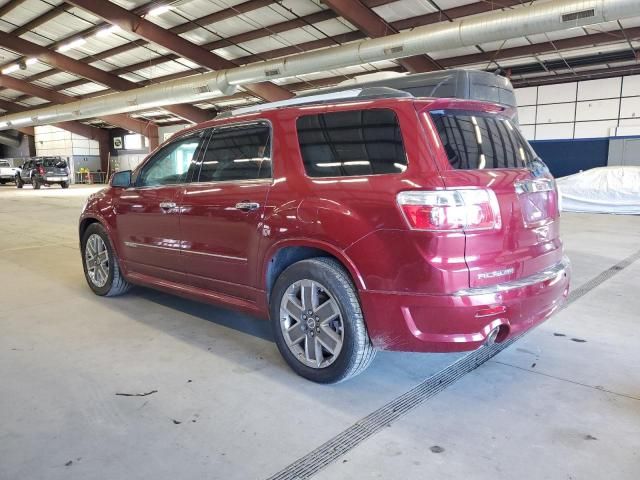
(54, 162)
(476, 140)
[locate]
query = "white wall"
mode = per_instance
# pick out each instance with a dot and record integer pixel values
(53, 141)
(589, 109)
(127, 161)
(166, 132)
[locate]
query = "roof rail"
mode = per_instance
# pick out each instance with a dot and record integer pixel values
(365, 93)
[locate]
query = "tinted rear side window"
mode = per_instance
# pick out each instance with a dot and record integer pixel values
(475, 140)
(357, 142)
(240, 152)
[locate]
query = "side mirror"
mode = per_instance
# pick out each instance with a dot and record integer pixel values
(121, 179)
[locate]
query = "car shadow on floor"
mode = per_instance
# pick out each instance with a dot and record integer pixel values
(251, 325)
(390, 371)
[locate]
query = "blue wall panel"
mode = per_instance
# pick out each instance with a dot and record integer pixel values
(565, 157)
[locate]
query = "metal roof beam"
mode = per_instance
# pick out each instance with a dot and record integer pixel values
(537, 48)
(454, 12)
(233, 40)
(89, 72)
(596, 73)
(87, 131)
(132, 23)
(374, 26)
(141, 10)
(313, 18)
(542, 47)
(123, 121)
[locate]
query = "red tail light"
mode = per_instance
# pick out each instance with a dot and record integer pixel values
(446, 210)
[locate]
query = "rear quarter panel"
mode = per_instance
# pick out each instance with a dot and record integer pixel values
(357, 218)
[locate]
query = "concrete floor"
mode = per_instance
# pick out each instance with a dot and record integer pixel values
(227, 407)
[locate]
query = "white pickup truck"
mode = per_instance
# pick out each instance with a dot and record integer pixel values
(7, 172)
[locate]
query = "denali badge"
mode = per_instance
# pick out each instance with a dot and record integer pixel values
(496, 273)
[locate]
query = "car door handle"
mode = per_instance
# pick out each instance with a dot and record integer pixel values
(168, 205)
(247, 206)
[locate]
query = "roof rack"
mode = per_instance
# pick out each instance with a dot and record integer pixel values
(367, 93)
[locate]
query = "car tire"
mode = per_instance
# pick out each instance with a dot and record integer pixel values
(111, 283)
(35, 183)
(64, 184)
(311, 357)
(19, 182)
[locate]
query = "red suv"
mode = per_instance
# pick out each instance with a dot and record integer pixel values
(368, 223)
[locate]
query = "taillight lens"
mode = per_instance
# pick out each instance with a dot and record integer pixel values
(445, 210)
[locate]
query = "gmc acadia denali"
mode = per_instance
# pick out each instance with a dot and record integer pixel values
(380, 221)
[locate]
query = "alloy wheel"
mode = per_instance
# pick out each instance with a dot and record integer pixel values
(96, 258)
(311, 323)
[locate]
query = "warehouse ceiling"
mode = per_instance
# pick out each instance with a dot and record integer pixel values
(56, 52)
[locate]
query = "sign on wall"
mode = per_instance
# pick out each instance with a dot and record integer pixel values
(117, 143)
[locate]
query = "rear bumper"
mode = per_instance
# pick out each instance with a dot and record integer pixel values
(462, 321)
(55, 178)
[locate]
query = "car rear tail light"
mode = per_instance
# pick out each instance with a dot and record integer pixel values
(446, 210)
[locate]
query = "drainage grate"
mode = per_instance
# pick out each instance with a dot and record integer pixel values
(327, 453)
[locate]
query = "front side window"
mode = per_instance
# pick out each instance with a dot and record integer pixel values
(355, 142)
(171, 164)
(477, 140)
(239, 152)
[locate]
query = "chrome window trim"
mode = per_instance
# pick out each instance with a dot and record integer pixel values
(553, 272)
(265, 181)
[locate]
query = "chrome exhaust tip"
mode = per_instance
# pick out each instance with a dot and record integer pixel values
(493, 335)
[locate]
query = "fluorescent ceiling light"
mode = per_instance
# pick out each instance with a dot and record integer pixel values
(10, 69)
(108, 31)
(154, 12)
(71, 45)
(31, 61)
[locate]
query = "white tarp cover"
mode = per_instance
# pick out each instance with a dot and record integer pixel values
(601, 190)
